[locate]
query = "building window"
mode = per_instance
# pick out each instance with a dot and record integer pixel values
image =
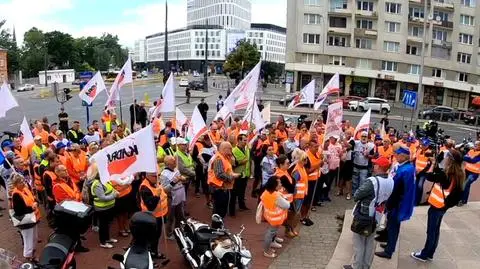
(437, 73)
(443, 15)
(441, 53)
(439, 35)
(364, 5)
(456, 98)
(465, 39)
(389, 66)
(364, 63)
(468, 3)
(338, 4)
(49, 78)
(361, 43)
(466, 20)
(308, 58)
(311, 38)
(463, 77)
(311, 2)
(389, 46)
(464, 58)
(394, 8)
(412, 50)
(339, 41)
(415, 31)
(337, 60)
(414, 69)
(416, 12)
(338, 22)
(365, 24)
(392, 27)
(311, 18)
(197, 53)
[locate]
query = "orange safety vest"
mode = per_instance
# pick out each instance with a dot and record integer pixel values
(314, 163)
(123, 190)
(72, 192)
(28, 198)
(301, 136)
(157, 126)
(387, 153)
(199, 147)
(280, 173)
(216, 137)
(63, 159)
(213, 180)
(281, 135)
(76, 165)
(421, 161)
(43, 134)
(162, 206)
(37, 179)
(438, 195)
(273, 214)
(473, 167)
(301, 186)
(233, 132)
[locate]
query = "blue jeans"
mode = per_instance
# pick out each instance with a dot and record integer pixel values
(435, 217)
(393, 229)
(358, 176)
(419, 189)
(471, 177)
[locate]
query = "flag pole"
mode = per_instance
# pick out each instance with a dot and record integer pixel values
(134, 107)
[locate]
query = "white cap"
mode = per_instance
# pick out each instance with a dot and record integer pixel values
(173, 141)
(181, 141)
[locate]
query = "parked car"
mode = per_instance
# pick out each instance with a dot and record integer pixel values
(26, 87)
(346, 100)
(460, 113)
(195, 74)
(196, 85)
(183, 82)
(438, 113)
(470, 117)
(76, 82)
(376, 104)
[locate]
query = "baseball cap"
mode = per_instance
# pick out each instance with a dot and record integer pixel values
(382, 162)
(60, 145)
(181, 141)
(378, 137)
(402, 150)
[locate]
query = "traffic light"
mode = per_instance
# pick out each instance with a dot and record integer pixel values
(67, 95)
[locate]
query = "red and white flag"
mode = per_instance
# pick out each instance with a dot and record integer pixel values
(363, 124)
(253, 115)
(180, 117)
(26, 132)
(196, 127)
(93, 87)
(135, 153)
(305, 96)
(7, 101)
(333, 86)
(167, 101)
(334, 120)
(124, 76)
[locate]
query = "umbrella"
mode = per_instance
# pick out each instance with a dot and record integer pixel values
(476, 101)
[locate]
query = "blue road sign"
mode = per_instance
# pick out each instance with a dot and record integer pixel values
(410, 98)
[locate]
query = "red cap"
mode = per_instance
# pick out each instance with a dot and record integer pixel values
(382, 162)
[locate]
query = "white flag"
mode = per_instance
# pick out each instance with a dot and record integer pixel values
(7, 101)
(333, 86)
(266, 114)
(383, 133)
(135, 153)
(123, 77)
(334, 120)
(167, 103)
(180, 118)
(363, 124)
(253, 115)
(227, 109)
(27, 133)
(93, 87)
(196, 127)
(305, 96)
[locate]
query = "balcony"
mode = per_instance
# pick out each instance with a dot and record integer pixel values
(416, 39)
(444, 24)
(365, 32)
(366, 14)
(415, 20)
(338, 30)
(340, 11)
(441, 43)
(446, 5)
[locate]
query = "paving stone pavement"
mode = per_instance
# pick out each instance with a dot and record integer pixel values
(316, 244)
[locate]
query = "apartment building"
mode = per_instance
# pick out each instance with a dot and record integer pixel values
(376, 46)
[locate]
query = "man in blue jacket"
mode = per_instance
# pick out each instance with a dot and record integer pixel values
(401, 202)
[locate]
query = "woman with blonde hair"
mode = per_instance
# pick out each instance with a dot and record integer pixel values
(300, 177)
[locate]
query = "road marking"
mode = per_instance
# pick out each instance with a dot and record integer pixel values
(467, 129)
(14, 124)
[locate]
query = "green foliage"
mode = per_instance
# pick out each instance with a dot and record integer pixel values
(272, 70)
(33, 52)
(245, 53)
(7, 42)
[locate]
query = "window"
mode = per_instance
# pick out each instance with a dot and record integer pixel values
(416, 12)
(389, 66)
(465, 39)
(437, 73)
(416, 31)
(392, 27)
(311, 38)
(337, 60)
(311, 2)
(364, 63)
(365, 24)
(464, 58)
(308, 58)
(413, 50)
(361, 43)
(197, 53)
(439, 35)
(466, 20)
(389, 46)
(441, 53)
(311, 18)
(443, 15)
(338, 22)
(414, 69)
(468, 3)
(339, 41)
(393, 7)
(49, 78)
(364, 5)
(338, 4)
(463, 77)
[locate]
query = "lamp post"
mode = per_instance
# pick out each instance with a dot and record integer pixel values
(205, 73)
(166, 65)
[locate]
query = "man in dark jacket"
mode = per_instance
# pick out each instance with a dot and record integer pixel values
(203, 109)
(142, 115)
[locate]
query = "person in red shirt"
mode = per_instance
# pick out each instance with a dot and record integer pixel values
(63, 187)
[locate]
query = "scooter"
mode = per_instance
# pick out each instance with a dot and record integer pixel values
(211, 247)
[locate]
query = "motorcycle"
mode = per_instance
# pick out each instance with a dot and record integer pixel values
(211, 247)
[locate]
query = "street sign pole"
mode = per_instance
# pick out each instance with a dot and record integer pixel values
(88, 116)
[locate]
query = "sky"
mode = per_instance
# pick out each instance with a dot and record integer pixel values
(129, 19)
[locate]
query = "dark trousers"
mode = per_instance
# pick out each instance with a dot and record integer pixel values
(330, 178)
(104, 219)
(419, 188)
(471, 177)
(239, 188)
(393, 229)
(221, 199)
(156, 237)
(201, 180)
(435, 217)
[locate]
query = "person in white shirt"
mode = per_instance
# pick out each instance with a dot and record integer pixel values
(92, 136)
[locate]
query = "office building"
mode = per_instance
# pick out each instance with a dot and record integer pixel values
(229, 14)
(270, 40)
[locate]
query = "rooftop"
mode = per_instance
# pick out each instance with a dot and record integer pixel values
(268, 26)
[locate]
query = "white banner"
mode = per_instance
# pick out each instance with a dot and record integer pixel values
(334, 120)
(93, 87)
(305, 96)
(123, 77)
(196, 127)
(27, 133)
(364, 123)
(7, 101)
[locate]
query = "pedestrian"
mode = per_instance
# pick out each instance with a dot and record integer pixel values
(275, 208)
(188, 94)
(423, 160)
(290, 144)
(203, 109)
(142, 115)
(288, 189)
(92, 135)
(39, 130)
(370, 195)
(446, 193)
(77, 165)
(151, 111)
(75, 135)
(38, 150)
(385, 121)
(202, 153)
(63, 120)
(123, 203)
(472, 170)
(241, 152)
(334, 155)
(134, 113)
(185, 163)
(363, 151)
(400, 204)
(268, 165)
(300, 177)
(346, 171)
(220, 103)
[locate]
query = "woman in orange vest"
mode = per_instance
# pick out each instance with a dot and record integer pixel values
(275, 208)
(288, 189)
(23, 203)
(472, 169)
(123, 203)
(315, 162)
(300, 175)
(446, 192)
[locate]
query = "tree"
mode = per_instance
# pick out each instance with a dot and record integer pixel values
(242, 58)
(33, 52)
(61, 49)
(7, 42)
(272, 70)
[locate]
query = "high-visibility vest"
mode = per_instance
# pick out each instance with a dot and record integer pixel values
(281, 135)
(473, 167)
(186, 159)
(314, 162)
(62, 158)
(72, 191)
(199, 147)
(273, 214)
(212, 178)
(162, 206)
(52, 176)
(28, 198)
(123, 190)
(160, 154)
(43, 134)
(108, 189)
(22, 152)
(280, 173)
(216, 137)
(438, 195)
(76, 166)
(38, 151)
(301, 186)
(74, 133)
(387, 153)
(37, 180)
(421, 161)
(53, 136)
(244, 169)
